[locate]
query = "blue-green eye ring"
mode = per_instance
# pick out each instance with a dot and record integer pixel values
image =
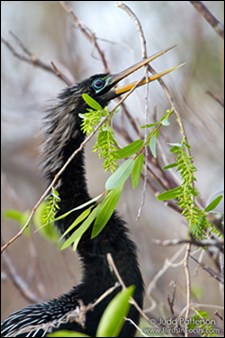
(98, 84)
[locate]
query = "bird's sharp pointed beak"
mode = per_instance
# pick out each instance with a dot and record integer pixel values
(126, 88)
(120, 76)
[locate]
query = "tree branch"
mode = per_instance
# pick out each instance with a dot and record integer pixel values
(34, 60)
(209, 17)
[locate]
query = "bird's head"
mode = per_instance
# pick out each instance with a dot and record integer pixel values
(103, 87)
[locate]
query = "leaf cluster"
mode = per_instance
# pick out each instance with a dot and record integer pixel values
(201, 322)
(186, 193)
(52, 205)
(105, 144)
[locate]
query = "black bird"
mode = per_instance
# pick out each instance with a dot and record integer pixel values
(63, 136)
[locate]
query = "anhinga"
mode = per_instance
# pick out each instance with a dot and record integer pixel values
(63, 136)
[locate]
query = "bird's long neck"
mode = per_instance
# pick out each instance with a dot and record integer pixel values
(63, 137)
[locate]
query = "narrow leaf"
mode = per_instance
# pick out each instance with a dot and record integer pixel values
(14, 214)
(179, 145)
(114, 315)
(91, 102)
(78, 220)
(79, 232)
(169, 194)
(169, 166)
(137, 169)
(18, 216)
(129, 150)
(165, 122)
(106, 209)
(149, 125)
(120, 176)
(214, 203)
(152, 145)
(95, 199)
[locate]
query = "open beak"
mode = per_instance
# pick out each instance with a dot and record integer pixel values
(118, 77)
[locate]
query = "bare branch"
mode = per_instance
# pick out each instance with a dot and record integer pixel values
(19, 281)
(136, 327)
(219, 315)
(209, 17)
(21, 44)
(33, 60)
(138, 25)
(216, 98)
(188, 288)
(89, 35)
(172, 299)
(103, 296)
(200, 243)
(211, 272)
(113, 267)
(60, 75)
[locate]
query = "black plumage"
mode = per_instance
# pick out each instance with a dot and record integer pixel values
(63, 136)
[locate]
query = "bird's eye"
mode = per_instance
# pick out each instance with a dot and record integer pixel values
(98, 84)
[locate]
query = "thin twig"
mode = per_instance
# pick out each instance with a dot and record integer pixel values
(219, 315)
(168, 263)
(60, 75)
(138, 25)
(202, 306)
(89, 35)
(115, 270)
(34, 60)
(103, 296)
(21, 44)
(209, 17)
(211, 272)
(140, 30)
(19, 281)
(172, 299)
(188, 288)
(136, 327)
(200, 243)
(113, 267)
(216, 98)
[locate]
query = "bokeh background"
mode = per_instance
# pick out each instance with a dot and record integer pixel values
(47, 31)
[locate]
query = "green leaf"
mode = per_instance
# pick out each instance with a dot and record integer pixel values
(164, 121)
(169, 194)
(214, 203)
(129, 150)
(95, 199)
(179, 145)
(120, 176)
(149, 125)
(48, 230)
(79, 232)
(67, 334)
(91, 102)
(106, 208)
(20, 217)
(114, 315)
(78, 220)
(13, 214)
(137, 169)
(169, 166)
(175, 147)
(152, 144)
